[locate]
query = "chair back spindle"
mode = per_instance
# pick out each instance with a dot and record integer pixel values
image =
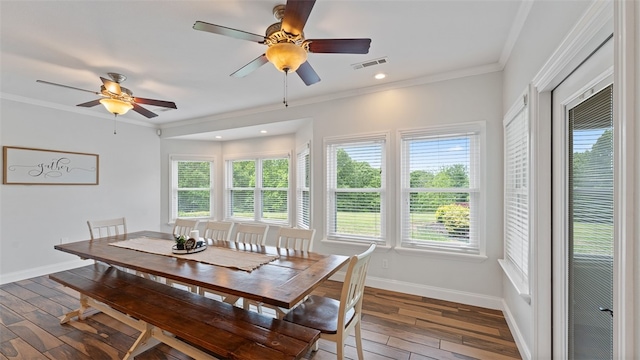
(184, 226)
(296, 239)
(218, 230)
(103, 228)
(251, 234)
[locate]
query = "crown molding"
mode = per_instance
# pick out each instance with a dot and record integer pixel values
(594, 21)
(72, 109)
(514, 32)
(478, 70)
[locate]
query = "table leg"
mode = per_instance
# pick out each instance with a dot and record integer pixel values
(145, 335)
(84, 305)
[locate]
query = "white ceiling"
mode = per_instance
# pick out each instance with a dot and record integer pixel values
(154, 45)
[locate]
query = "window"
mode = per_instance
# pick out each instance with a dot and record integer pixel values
(516, 196)
(356, 188)
(303, 180)
(258, 190)
(440, 189)
(191, 187)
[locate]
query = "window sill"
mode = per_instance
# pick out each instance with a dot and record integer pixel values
(362, 244)
(442, 254)
(258, 222)
(521, 286)
(200, 218)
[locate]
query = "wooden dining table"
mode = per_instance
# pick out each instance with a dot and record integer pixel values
(283, 282)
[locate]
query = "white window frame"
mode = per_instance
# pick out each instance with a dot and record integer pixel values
(477, 191)
(173, 184)
(513, 266)
(301, 186)
(257, 190)
(331, 185)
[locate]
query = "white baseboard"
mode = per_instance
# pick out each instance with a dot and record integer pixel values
(490, 302)
(43, 270)
(515, 331)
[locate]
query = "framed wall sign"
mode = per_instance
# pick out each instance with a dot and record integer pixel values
(26, 166)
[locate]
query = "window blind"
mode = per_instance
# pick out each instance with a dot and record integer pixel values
(516, 193)
(192, 189)
(591, 174)
(242, 190)
(591, 232)
(355, 189)
(440, 189)
(258, 189)
(274, 200)
(303, 181)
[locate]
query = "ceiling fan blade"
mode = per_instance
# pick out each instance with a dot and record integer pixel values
(162, 103)
(250, 67)
(91, 103)
(142, 111)
(112, 86)
(296, 13)
(307, 74)
(343, 46)
(67, 86)
(223, 30)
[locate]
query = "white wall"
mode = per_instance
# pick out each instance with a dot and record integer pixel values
(474, 98)
(260, 145)
(36, 217)
(637, 177)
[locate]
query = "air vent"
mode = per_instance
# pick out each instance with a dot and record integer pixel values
(369, 63)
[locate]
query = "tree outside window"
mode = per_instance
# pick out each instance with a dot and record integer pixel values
(259, 190)
(355, 193)
(440, 191)
(192, 188)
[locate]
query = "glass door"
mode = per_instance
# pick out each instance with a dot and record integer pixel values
(590, 233)
(582, 210)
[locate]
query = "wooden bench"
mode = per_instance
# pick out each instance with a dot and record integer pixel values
(185, 321)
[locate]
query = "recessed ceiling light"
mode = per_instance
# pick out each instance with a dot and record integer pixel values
(263, 131)
(380, 76)
(218, 137)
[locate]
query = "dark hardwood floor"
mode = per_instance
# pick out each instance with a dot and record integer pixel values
(395, 326)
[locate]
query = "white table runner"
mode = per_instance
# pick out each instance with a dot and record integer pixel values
(242, 260)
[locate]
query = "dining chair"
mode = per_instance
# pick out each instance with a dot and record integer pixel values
(288, 239)
(336, 318)
(250, 234)
(184, 226)
(103, 228)
(254, 234)
(296, 239)
(111, 227)
(218, 230)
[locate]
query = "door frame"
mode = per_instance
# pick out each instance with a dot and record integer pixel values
(594, 27)
(591, 80)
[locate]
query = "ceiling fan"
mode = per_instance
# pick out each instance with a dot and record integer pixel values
(287, 47)
(118, 99)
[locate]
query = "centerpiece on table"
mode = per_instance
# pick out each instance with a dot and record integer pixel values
(188, 245)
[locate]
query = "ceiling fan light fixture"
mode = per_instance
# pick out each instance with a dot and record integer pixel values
(286, 56)
(115, 106)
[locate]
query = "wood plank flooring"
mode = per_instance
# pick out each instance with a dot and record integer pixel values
(395, 326)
